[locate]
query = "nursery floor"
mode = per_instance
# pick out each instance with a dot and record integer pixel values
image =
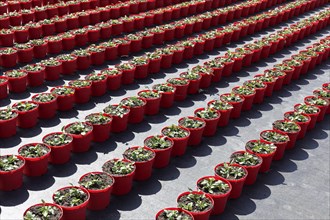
(297, 187)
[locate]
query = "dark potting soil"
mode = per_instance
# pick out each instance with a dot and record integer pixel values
(67, 198)
(266, 137)
(107, 167)
(37, 210)
(103, 181)
(181, 216)
(49, 138)
(19, 163)
(45, 150)
(128, 155)
(184, 200)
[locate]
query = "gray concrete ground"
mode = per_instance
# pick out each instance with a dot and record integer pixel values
(296, 187)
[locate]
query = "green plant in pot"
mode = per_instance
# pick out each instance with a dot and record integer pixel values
(43, 211)
(245, 159)
(208, 113)
(96, 181)
(7, 114)
(34, 150)
(138, 154)
(50, 62)
(98, 118)
(116, 110)
(63, 91)
(175, 131)
(189, 122)
(80, 83)
(149, 94)
(132, 102)
(70, 197)
(118, 167)
(164, 87)
(220, 105)
(78, 128)
(286, 126)
(24, 106)
(15, 73)
(261, 147)
(194, 202)
(158, 142)
(10, 163)
(274, 137)
(169, 214)
(296, 117)
(178, 81)
(44, 97)
(307, 109)
(58, 139)
(230, 172)
(213, 186)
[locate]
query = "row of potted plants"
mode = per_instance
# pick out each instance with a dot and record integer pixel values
(213, 191)
(66, 41)
(126, 167)
(11, 6)
(64, 8)
(242, 169)
(98, 17)
(19, 6)
(53, 67)
(80, 91)
(77, 136)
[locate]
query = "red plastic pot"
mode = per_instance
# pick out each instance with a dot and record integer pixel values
(180, 144)
(119, 124)
(36, 166)
(68, 43)
(143, 169)
(59, 154)
(27, 119)
(228, 68)
(81, 143)
(81, 39)
(40, 51)
(188, 52)
(83, 62)
(154, 65)
(224, 115)
(220, 200)
(3, 87)
(204, 215)
(152, 104)
(141, 71)
(167, 99)
(12, 180)
(101, 132)
(196, 134)
(99, 198)
(123, 183)
(194, 84)
(128, 76)
(136, 113)
(99, 87)
(111, 53)
(180, 91)
(303, 125)
(64, 102)
(25, 55)
(98, 58)
(292, 136)
(236, 184)
(206, 80)
(60, 217)
(252, 170)
(17, 84)
(259, 95)
(163, 156)
(178, 56)
(75, 212)
(124, 48)
(166, 61)
(323, 108)
(280, 146)
(236, 112)
(176, 209)
(55, 46)
(8, 60)
(211, 124)
(313, 117)
(82, 94)
(36, 78)
(69, 66)
(199, 48)
(269, 85)
(46, 109)
(114, 81)
(8, 127)
(7, 40)
(266, 158)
